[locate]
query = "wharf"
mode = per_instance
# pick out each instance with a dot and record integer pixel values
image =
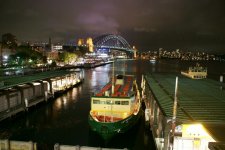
(10, 81)
(199, 102)
(29, 145)
(18, 93)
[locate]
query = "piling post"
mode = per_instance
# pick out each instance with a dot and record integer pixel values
(221, 81)
(43, 92)
(57, 146)
(4, 144)
(8, 102)
(22, 96)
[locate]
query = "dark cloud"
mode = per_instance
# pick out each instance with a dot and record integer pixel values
(144, 23)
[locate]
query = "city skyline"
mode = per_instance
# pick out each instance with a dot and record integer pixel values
(188, 24)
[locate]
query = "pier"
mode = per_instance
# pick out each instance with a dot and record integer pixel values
(191, 119)
(19, 93)
(29, 145)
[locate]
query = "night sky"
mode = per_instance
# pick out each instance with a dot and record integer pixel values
(147, 24)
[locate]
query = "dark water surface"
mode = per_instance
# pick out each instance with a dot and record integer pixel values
(64, 120)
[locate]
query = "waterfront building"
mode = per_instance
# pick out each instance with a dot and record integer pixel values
(190, 116)
(57, 47)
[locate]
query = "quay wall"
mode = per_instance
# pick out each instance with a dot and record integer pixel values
(21, 97)
(17, 145)
(6, 144)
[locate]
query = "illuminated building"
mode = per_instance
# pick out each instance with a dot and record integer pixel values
(80, 42)
(90, 44)
(57, 47)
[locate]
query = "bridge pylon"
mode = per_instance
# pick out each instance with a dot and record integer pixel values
(90, 44)
(135, 52)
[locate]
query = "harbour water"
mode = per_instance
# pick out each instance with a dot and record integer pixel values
(64, 120)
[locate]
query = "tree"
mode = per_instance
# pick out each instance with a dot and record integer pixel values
(67, 57)
(44, 60)
(25, 56)
(9, 41)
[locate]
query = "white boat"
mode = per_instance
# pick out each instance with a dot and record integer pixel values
(196, 72)
(152, 59)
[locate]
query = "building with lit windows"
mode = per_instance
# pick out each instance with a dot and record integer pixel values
(57, 47)
(199, 119)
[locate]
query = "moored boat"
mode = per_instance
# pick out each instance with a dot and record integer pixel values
(196, 72)
(116, 108)
(89, 64)
(152, 59)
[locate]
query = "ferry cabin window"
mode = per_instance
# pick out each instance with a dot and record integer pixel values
(124, 103)
(102, 102)
(121, 102)
(96, 101)
(109, 102)
(117, 102)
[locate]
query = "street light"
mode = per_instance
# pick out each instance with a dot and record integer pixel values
(5, 57)
(18, 58)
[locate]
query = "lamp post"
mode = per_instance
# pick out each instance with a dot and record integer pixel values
(171, 132)
(5, 58)
(18, 59)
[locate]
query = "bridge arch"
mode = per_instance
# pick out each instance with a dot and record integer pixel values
(111, 40)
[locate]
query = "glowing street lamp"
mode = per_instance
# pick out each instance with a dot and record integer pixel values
(5, 57)
(18, 58)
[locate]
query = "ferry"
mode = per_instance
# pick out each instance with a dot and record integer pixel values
(94, 63)
(196, 72)
(116, 107)
(89, 64)
(152, 59)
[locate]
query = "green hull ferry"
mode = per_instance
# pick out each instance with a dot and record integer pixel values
(116, 108)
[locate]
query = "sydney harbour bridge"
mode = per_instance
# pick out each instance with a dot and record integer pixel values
(111, 42)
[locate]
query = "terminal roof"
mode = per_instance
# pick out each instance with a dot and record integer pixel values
(201, 100)
(10, 81)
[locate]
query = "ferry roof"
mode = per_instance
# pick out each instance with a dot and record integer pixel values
(120, 90)
(198, 100)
